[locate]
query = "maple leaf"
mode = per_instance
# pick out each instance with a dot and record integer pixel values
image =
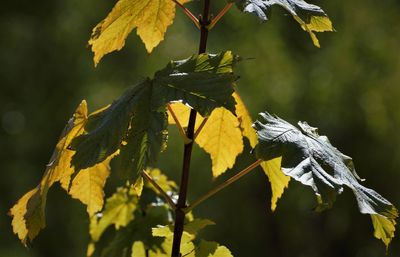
(28, 214)
(312, 160)
(310, 17)
(138, 117)
(222, 139)
(150, 17)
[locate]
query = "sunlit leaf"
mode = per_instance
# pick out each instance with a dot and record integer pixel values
(245, 120)
(135, 124)
(212, 249)
(203, 81)
(150, 17)
(118, 211)
(310, 17)
(278, 180)
(88, 186)
(28, 214)
(222, 138)
(312, 160)
(162, 180)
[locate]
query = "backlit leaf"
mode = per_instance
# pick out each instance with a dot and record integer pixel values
(118, 211)
(245, 120)
(203, 81)
(310, 17)
(135, 124)
(278, 180)
(311, 159)
(88, 186)
(212, 249)
(28, 214)
(150, 17)
(222, 138)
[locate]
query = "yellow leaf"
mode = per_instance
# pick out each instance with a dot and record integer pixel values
(28, 214)
(118, 211)
(316, 24)
(279, 181)
(383, 228)
(222, 139)
(245, 121)
(150, 17)
(182, 112)
(88, 186)
(162, 180)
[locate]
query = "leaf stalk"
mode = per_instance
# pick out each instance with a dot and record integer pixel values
(188, 14)
(167, 198)
(222, 186)
(219, 15)
(182, 132)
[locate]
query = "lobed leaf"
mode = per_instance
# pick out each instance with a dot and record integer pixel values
(28, 213)
(135, 124)
(311, 159)
(222, 139)
(150, 17)
(310, 17)
(203, 81)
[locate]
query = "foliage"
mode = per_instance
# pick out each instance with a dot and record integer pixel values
(141, 218)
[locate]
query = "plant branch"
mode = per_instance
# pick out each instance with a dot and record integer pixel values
(219, 15)
(188, 14)
(200, 128)
(204, 21)
(222, 186)
(178, 124)
(169, 200)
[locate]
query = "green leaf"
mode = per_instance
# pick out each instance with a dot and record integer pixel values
(136, 123)
(118, 211)
(311, 159)
(107, 129)
(212, 249)
(146, 138)
(203, 81)
(310, 17)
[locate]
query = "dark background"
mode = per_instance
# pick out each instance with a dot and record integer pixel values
(349, 89)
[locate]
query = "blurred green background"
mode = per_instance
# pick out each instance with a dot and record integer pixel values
(349, 89)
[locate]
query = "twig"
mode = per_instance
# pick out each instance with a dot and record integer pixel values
(219, 16)
(222, 186)
(178, 124)
(188, 13)
(159, 189)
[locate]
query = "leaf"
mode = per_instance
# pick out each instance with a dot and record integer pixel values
(182, 112)
(88, 186)
(278, 180)
(146, 138)
(310, 17)
(136, 123)
(107, 129)
(222, 139)
(311, 159)
(28, 214)
(203, 81)
(150, 17)
(118, 211)
(383, 228)
(162, 180)
(245, 120)
(212, 249)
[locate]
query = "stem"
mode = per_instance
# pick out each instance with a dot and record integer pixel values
(222, 186)
(220, 15)
(179, 125)
(188, 14)
(200, 127)
(159, 189)
(187, 153)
